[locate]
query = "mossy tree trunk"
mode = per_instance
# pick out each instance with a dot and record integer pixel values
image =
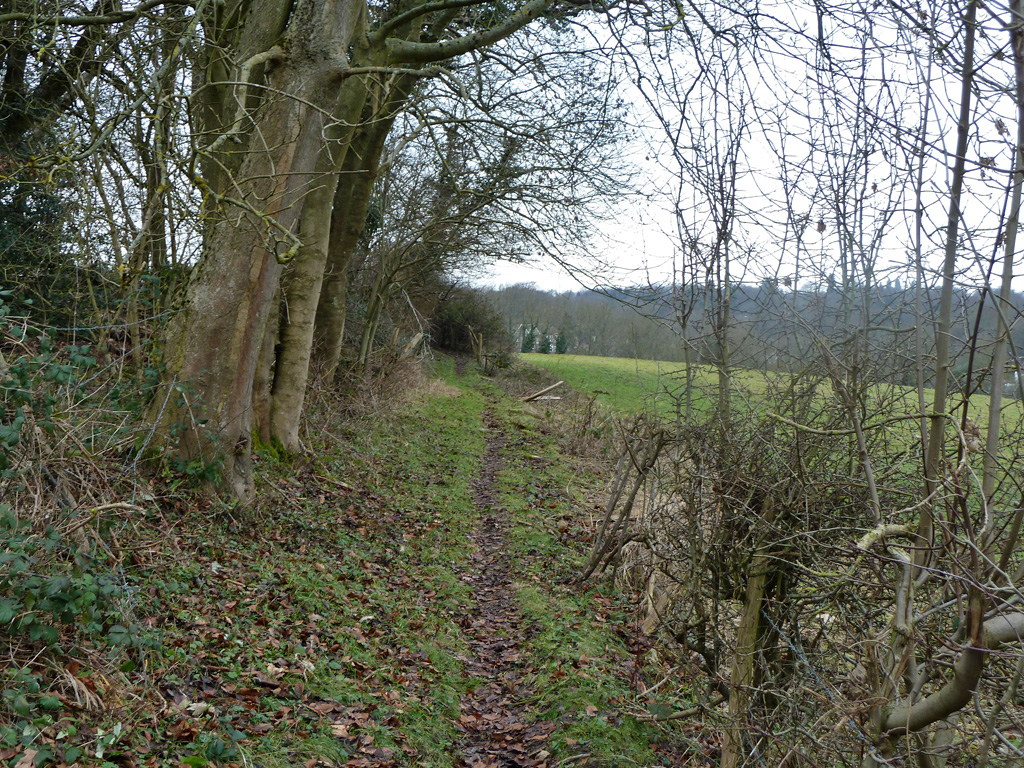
(304, 288)
(348, 219)
(301, 292)
(204, 411)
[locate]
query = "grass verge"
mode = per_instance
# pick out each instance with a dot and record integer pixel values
(586, 650)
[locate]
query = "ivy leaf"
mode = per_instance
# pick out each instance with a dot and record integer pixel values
(119, 635)
(659, 710)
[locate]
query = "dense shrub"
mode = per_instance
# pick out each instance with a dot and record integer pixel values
(461, 313)
(29, 382)
(33, 254)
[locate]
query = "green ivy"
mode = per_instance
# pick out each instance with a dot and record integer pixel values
(36, 603)
(31, 380)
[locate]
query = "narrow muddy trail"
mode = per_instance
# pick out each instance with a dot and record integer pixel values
(498, 728)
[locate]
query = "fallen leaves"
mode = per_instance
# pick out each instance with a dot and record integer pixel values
(499, 730)
(340, 731)
(261, 631)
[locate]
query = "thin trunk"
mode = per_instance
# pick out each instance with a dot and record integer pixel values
(1004, 302)
(742, 679)
(331, 310)
(919, 265)
(351, 202)
(937, 416)
(724, 352)
(688, 377)
(264, 375)
(370, 325)
(374, 311)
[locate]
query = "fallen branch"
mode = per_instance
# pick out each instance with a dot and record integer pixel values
(683, 713)
(544, 391)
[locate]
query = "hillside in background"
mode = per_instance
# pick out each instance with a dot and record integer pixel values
(770, 327)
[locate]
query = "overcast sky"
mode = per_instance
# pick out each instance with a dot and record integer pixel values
(812, 113)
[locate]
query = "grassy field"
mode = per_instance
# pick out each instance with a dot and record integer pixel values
(626, 385)
(630, 386)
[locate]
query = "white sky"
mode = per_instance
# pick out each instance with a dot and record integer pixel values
(633, 248)
(636, 248)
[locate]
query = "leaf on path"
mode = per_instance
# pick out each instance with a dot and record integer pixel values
(323, 707)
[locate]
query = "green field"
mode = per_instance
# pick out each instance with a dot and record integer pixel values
(621, 383)
(630, 386)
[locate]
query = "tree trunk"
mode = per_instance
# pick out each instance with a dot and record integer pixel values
(304, 284)
(304, 290)
(374, 309)
(215, 344)
(302, 294)
(943, 331)
(742, 679)
(204, 413)
(263, 149)
(329, 327)
(264, 374)
(744, 661)
(348, 219)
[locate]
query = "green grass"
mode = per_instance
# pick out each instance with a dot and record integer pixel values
(630, 386)
(626, 385)
(322, 623)
(584, 673)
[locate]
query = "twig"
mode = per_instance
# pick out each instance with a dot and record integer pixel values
(658, 685)
(839, 432)
(101, 508)
(574, 758)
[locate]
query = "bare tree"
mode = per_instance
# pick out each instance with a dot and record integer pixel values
(523, 166)
(825, 504)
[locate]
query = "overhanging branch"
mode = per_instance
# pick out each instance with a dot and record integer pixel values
(114, 17)
(386, 28)
(422, 53)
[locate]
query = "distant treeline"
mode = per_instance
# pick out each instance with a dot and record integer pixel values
(771, 327)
